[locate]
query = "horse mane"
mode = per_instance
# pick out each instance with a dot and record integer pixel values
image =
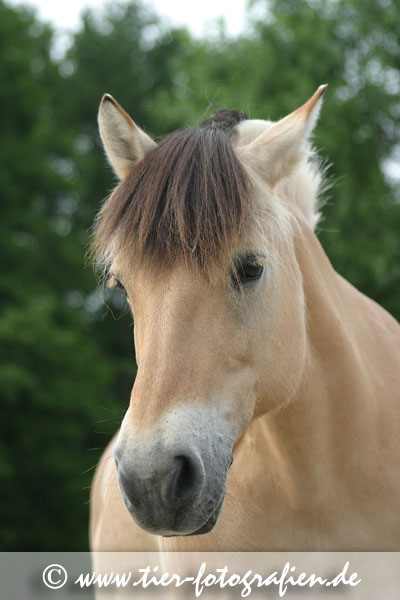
(187, 198)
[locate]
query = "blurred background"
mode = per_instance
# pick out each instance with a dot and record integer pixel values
(67, 358)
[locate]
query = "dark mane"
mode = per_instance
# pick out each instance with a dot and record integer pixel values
(187, 198)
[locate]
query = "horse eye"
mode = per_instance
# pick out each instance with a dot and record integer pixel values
(119, 285)
(113, 282)
(247, 270)
(251, 270)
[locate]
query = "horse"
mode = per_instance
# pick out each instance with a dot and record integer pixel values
(265, 413)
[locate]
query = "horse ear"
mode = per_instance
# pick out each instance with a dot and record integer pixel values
(124, 142)
(278, 148)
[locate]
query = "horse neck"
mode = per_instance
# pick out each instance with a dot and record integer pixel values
(326, 432)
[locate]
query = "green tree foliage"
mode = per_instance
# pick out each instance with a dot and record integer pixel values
(53, 376)
(66, 370)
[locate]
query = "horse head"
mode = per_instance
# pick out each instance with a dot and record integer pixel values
(199, 236)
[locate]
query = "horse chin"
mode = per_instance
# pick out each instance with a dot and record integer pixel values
(212, 520)
(207, 526)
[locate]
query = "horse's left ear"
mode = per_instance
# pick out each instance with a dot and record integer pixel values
(278, 148)
(124, 142)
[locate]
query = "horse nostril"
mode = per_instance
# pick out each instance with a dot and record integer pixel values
(175, 482)
(187, 478)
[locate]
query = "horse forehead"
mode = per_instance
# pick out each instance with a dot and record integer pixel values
(181, 284)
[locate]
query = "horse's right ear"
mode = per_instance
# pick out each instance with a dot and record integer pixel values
(124, 142)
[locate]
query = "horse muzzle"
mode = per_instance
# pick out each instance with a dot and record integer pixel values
(173, 483)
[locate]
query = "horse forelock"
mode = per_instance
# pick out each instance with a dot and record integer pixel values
(188, 198)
